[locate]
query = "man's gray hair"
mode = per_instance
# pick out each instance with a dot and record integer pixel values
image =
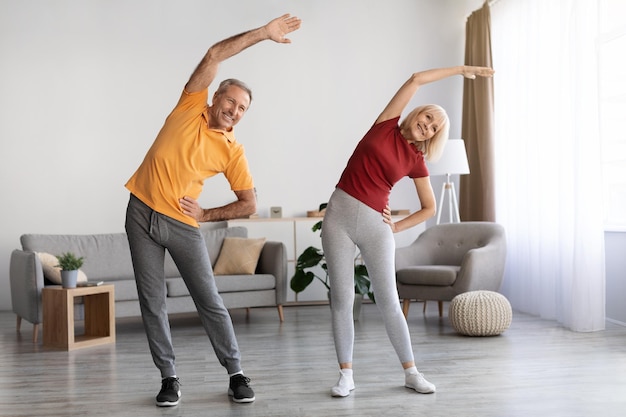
(233, 81)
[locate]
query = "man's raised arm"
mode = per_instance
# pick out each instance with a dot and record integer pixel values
(206, 70)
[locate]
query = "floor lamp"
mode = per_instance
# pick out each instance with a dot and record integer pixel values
(453, 161)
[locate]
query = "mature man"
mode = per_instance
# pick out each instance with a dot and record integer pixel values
(195, 143)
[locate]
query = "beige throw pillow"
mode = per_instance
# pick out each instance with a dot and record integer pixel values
(52, 272)
(239, 256)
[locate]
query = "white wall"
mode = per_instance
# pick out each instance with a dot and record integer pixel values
(86, 84)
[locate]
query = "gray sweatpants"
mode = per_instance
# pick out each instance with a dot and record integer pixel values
(149, 235)
(349, 224)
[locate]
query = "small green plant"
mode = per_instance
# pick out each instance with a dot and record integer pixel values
(69, 262)
(311, 257)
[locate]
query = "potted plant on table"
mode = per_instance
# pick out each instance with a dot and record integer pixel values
(313, 257)
(69, 264)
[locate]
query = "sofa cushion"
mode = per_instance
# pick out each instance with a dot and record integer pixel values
(238, 283)
(107, 256)
(225, 283)
(176, 287)
(125, 290)
(214, 238)
(239, 256)
(51, 270)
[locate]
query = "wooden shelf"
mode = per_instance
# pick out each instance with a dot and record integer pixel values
(59, 326)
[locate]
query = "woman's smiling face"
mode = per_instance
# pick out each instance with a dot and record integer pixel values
(424, 127)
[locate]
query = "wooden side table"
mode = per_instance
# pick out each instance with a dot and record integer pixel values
(58, 316)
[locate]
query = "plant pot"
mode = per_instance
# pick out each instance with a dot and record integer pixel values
(356, 308)
(69, 278)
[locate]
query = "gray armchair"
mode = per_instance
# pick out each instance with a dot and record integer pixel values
(450, 259)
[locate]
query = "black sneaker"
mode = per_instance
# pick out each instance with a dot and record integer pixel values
(240, 389)
(170, 392)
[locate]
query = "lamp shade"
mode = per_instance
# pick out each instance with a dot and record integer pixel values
(452, 161)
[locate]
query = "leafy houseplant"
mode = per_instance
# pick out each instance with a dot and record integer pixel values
(312, 257)
(69, 264)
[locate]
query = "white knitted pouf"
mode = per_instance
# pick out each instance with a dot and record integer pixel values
(480, 313)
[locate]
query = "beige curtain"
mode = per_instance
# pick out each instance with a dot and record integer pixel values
(476, 197)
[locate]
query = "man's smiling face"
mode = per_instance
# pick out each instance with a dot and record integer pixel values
(228, 108)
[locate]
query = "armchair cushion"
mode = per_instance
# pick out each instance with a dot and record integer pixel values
(440, 275)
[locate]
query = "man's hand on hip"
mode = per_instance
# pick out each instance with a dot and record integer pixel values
(191, 208)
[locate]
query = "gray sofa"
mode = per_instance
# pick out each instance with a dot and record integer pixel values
(107, 258)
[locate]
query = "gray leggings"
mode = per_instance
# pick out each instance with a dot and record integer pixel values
(349, 224)
(149, 234)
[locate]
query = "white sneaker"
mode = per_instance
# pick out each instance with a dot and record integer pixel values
(419, 383)
(343, 386)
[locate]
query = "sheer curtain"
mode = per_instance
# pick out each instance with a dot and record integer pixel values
(548, 165)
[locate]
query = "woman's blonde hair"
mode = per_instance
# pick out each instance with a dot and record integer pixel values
(433, 147)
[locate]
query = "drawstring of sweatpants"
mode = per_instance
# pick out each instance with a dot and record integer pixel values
(153, 221)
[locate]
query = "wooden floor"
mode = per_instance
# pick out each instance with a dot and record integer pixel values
(535, 368)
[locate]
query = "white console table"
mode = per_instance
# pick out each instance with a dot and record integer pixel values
(296, 234)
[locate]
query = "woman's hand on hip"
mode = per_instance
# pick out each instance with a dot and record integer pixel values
(387, 218)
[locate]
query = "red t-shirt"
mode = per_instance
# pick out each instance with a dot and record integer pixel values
(379, 161)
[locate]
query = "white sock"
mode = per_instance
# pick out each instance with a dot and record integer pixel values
(236, 373)
(410, 371)
(346, 371)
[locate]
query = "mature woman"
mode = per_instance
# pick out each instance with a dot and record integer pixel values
(358, 215)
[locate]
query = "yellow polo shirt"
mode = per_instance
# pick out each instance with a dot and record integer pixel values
(183, 155)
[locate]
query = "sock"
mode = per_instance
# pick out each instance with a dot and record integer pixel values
(236, 373)
(173, 376)
(410, 371)
(346, 371)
